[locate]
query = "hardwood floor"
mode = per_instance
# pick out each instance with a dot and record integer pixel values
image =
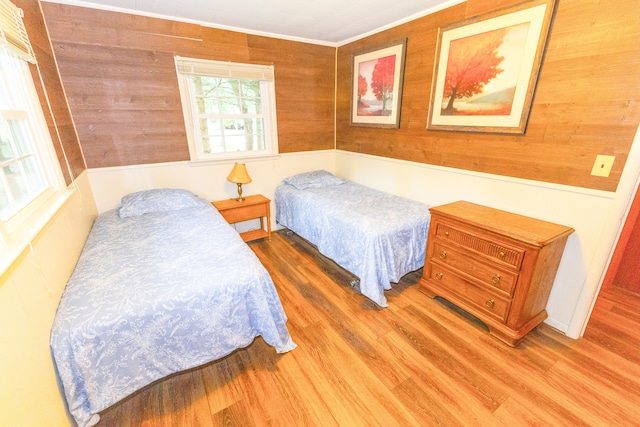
(416, 363)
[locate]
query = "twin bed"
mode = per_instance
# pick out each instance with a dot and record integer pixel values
(375, 235)
(164, 284)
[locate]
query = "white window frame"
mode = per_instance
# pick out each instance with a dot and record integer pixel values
(188, 67)
(20, 226)
(29, 108)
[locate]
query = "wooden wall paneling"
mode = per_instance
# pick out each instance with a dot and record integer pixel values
(475, 8)
(110, 87)
(51, 95)
(120, 77)
(418, 68)
(127, 97)
(585, 104)
(307, 99)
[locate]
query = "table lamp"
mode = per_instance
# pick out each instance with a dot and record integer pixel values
(239, 176)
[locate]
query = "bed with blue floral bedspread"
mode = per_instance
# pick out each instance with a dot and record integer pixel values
(375, 235)
(163, 284)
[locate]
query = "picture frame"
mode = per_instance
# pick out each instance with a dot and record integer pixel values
(506, 48)
(377, 86)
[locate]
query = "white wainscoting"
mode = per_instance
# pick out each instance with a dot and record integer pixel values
(206, 179)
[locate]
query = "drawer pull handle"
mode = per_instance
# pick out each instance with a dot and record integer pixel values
(446, 233)
(439, 276)
(502, 254)
(443, 255)
(490, 303)
(496, 279)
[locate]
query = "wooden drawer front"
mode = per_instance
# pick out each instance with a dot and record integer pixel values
(243, 213)
(509, 256)
(501, 280)
(481, 299)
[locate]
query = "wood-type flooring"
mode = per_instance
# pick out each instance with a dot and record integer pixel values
(418, 362)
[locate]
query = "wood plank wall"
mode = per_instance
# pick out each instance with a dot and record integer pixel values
(117, 70)
(587, 100)
(58, 117)
(119, 75)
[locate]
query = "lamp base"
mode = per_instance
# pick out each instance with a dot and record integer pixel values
(239, 198)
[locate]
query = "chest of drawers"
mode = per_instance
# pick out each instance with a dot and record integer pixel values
(496, 265)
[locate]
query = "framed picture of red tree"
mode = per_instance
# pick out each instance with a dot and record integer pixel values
(486, 70)
(377, 86)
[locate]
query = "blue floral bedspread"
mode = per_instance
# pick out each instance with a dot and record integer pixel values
(377, 236)
(156, 294)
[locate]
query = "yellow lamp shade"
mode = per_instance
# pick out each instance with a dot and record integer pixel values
(239, 175)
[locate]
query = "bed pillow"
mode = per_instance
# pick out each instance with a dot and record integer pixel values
(157, 200)
(313, 179)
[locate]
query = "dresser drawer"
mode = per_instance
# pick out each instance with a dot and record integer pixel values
(459, 260)
(491, 249)
(483, 300)
(243, 213)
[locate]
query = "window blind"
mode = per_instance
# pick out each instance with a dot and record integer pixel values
(224, 69)
(13, 34)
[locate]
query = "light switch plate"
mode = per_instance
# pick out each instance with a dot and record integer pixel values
(603, 165)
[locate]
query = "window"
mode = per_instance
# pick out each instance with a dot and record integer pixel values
(229, 108)
(20, 170)
(31, 182)
(29, 171)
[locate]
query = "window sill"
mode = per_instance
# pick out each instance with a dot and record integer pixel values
(205, 162)
(20, 239)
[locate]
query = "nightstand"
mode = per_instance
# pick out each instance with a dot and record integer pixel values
(252, 207)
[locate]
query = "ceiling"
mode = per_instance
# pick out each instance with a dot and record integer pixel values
(331, 22)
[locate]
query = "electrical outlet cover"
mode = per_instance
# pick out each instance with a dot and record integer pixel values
(602, 165)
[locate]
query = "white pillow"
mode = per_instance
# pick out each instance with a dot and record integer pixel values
(157, 200)
(313, 179)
